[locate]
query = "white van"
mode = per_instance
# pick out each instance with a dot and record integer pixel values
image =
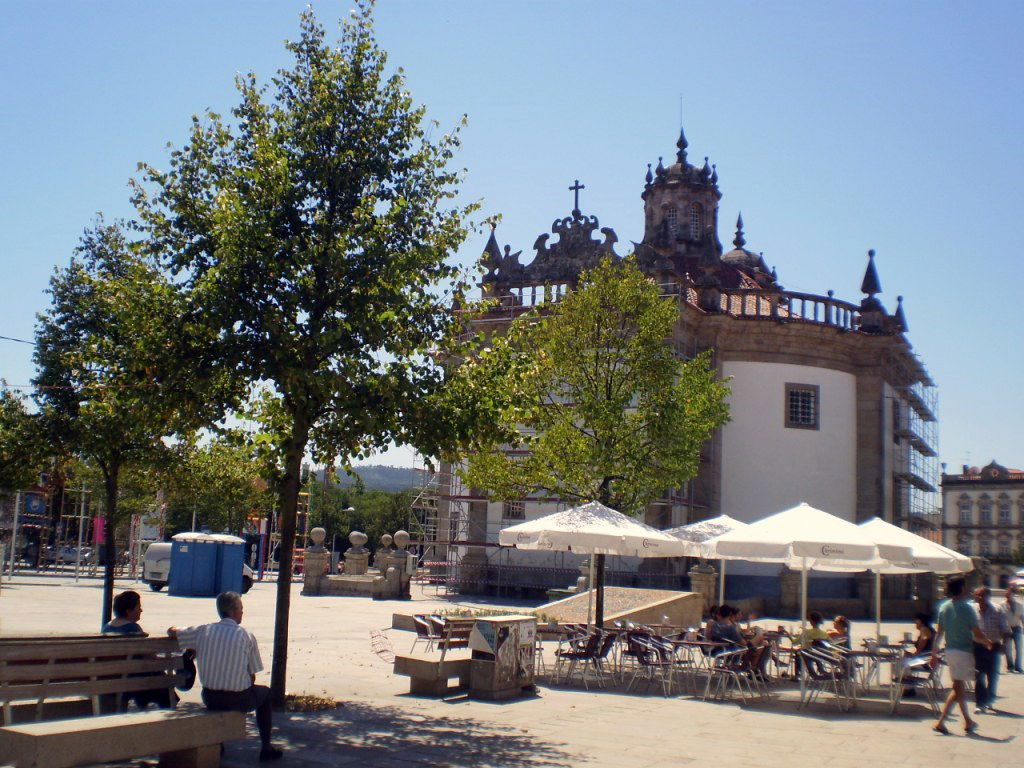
(156, 567)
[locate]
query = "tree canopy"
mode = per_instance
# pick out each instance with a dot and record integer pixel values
(309, 236)
(606, 409)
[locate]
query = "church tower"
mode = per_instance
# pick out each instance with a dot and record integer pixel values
(681, 206)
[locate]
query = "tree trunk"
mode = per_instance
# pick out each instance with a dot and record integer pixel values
(599, 586)
(110, 477)
(288, 500)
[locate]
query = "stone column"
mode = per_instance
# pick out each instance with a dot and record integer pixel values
(315, 564)
(704, 581)
(789, 591)
(357, 557)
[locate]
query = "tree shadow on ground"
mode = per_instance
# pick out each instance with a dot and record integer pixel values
(365, 734)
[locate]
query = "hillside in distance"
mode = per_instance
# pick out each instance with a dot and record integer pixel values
(380, 477)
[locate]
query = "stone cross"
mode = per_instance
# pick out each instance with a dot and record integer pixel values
(575, 189)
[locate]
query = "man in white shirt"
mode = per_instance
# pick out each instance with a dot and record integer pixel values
(228, 660)
(1014, 611)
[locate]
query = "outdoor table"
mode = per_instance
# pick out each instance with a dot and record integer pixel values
(874, 658)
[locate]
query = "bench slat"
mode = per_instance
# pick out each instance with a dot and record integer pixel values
(84, 687)
(101, 648)
(55, 672)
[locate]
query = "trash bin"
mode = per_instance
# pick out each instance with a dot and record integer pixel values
(204, 564)
(503, 656)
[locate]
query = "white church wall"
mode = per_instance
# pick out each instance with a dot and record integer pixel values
(767, 466)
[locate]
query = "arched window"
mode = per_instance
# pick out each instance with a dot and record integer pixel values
(985, 508)
(964, 504)
(1005, 509)
(696, 221)
(672, 217)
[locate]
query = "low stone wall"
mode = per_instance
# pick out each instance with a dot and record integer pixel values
(642, 606)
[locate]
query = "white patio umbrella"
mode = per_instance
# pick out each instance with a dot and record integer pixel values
(592, 529)
(696, 537)
(926, 557)
(806, 538)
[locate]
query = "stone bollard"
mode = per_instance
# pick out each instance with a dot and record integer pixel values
(315, 564)
(702, 581)
(357, 557)
(789, 591)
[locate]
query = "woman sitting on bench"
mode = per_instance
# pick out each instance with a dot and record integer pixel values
(127, 612)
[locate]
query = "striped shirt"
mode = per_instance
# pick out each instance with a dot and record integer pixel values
(993, 622)
(226, 653)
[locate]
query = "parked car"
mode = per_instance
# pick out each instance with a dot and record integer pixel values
(65, 554)
(156, 567)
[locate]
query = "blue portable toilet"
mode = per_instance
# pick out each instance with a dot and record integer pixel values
(230, 559)
(193, 565)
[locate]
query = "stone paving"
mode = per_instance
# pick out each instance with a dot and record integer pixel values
(379, 724)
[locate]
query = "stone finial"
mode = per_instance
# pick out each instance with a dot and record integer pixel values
(401, 539)
(357, 539)
(900, 318)
(871, 284)
(739, 241)
(682, 144)
(317, 535)
(714, 173)
(650, 176)
(706, 170)
(660, 170)
(385, 541)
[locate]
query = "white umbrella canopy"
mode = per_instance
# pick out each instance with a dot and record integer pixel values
(805, 537)
(697, 535)
(592, 529)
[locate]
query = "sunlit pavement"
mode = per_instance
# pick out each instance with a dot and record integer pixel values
(379, 724)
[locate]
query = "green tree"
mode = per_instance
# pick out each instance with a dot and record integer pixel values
(218, 480)
(608, 412)
(310, 236)
(23, 451)
(112, 315)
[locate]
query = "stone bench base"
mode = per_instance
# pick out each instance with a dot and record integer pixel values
(182, 738)
(429, 677)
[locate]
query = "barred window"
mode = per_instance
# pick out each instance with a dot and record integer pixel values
(986, 548)
(696, 222)
(672, 217)
(513, 510)
(1004, 548)
(802, 406)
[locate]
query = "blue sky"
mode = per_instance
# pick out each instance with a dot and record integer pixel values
(836, 127)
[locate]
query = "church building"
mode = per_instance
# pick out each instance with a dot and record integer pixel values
(829, 405)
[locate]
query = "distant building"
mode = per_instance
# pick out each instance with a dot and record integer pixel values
(830, 404)
(983, 511)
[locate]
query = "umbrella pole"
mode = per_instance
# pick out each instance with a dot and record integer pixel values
(721, 584)
(803, 596)
(878, 603)
(590, 592)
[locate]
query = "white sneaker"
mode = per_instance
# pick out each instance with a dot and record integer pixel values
(979, 710)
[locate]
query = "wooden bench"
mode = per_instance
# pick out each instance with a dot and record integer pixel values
(50, 677)
(428, 675)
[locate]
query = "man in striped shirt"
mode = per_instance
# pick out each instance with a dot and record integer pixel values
(228, 660)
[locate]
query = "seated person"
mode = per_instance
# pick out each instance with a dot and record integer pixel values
(127, 612)
(713, 617)
(812, 634)
(925, 634)
(839, 632)
(724, 630)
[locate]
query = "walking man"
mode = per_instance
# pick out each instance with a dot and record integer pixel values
(994, 626)
(228, 660)
(1014, 611)
(958, 624)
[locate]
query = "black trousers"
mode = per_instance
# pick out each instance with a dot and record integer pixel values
(255, 697)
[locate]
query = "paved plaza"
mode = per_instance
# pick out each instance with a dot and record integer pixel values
(379, 724)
